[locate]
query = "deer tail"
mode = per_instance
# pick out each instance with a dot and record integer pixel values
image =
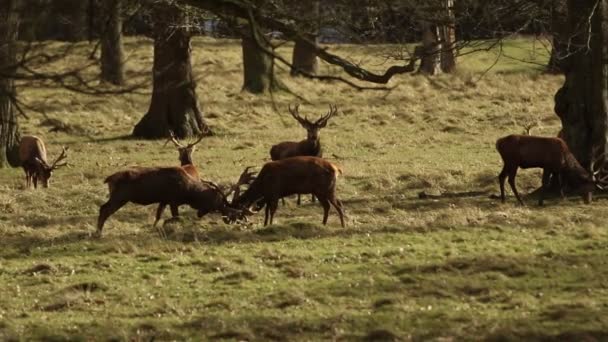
(337, 169)
(114, 179)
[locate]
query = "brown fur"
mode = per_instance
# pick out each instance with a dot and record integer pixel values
(296, 175)
(549, 153)
(171, 186)
(32, 154)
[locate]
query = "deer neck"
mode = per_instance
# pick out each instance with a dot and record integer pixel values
(313, 146)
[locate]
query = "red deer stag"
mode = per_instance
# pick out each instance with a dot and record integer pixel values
(296, 175)
(32, 154)
(311, 146)
(185, 153)
(171, 186)
(549, 153)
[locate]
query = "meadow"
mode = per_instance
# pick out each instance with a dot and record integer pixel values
(456, 264)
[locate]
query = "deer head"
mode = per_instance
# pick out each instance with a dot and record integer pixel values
(185, 152)
(45, 170)
(312, 128)
(229, 213)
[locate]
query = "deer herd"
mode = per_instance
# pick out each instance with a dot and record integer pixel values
(296, 168)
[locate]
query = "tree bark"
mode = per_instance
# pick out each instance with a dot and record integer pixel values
(258, 66)
(304, 58)
(174, 105)
(9, 128)
(430, 62)
(559, 36)
(582, 102)
(112, 56)
(447, 35)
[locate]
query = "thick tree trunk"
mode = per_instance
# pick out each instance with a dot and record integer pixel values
(258, 66)
(582, 102)
(304, 58)
(430, 62)
(112, 56)
(9, 128)
(72, 22)
(560, 35)
(447, 35)
(174, 105)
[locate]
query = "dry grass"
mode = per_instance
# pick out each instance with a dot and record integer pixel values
(462, 266)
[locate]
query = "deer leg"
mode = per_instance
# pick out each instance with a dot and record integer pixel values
(560, 183)
(298, 202)
(545, 185)
(106, 210)
(283, 201)
(272, 205)
(338, 205)
(267, 213)
(326, 206)
(27, 179)
(159, 213)
(312, 198)
(512, 174)
(501, 180)
(35, 181)
(174, 210)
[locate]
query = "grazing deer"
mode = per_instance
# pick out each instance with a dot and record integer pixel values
(311, 146)
(185, 153)
(296, 175)
(32, 154)
(171, 186)
(549, 153)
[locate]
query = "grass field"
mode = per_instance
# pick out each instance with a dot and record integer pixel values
(458, 266)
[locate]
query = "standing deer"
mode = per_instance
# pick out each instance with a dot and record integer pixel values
(32, 154)
(185, 154)
(549, 153)
(295, 175)
(171, 186)
(311, 146)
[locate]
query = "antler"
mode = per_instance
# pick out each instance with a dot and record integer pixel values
(528, 127)
(295, 112)
(246, 177)
(173, 139)
(333, 109)
(61, 157)
(176, 142)
(601, 181)
(200, 137)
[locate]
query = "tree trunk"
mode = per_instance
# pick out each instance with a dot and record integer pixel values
(560, 35)
(72, 18)
(174, 105)
(9, 128)
(582, 102)
(447, 35)
(112, 56)
(431, 49)
(258, 66)
(304, 58)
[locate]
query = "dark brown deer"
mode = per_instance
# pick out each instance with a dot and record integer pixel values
(171, 186)
(311, 146)
(549, 153)
(296, 175)
(32, 154)
(185, 154)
